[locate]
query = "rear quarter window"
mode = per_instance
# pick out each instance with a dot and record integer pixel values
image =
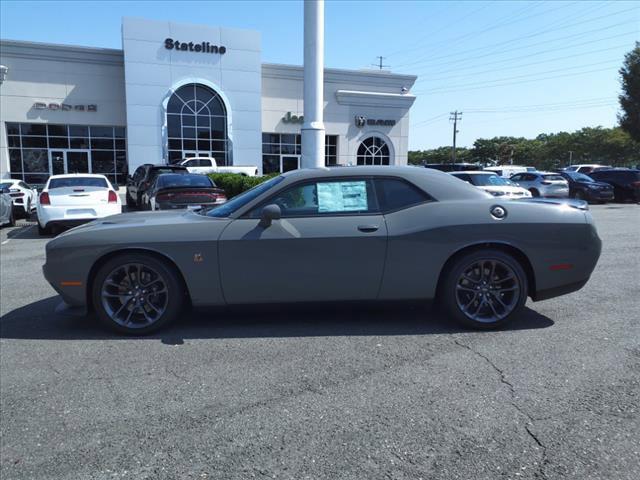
(396, 194)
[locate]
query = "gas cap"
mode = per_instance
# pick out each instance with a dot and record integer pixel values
(498, 212)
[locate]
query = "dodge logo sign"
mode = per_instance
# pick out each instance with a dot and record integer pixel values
(361, 121)
(65, 107)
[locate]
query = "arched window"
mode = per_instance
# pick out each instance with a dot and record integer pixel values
(373, 151)
(197, 124)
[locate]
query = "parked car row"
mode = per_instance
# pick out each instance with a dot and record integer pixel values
(602, 184)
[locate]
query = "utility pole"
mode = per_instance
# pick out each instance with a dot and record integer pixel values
(570, 157)
(379, 64)
(455, 117)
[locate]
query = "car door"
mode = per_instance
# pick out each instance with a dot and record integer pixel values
(330, 244)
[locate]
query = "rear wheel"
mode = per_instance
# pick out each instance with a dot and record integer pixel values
(137, 294)
(580, 195)
(129, 201)
(12, 217)
(484, 289)
(42, 231)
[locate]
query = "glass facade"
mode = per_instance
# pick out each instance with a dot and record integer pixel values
(373, 151)
(280, 149)
(38, 150)
(197, 124)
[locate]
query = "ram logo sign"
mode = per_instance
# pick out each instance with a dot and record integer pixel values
(361, 121)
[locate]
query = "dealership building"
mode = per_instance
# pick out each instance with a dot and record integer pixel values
(180, 90)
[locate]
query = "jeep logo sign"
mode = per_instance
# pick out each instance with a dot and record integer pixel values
(289, 118)
(361, 121)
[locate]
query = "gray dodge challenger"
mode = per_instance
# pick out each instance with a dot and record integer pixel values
(327, 235)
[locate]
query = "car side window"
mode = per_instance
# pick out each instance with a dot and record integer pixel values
(517, 177)
(334, 197)
(397, 194)
(205, 162)
(464, 176)
(137, 175)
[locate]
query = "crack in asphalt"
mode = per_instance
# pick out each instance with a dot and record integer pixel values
(512, 393)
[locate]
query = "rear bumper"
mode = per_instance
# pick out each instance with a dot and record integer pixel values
(76, 215)
(600, 194)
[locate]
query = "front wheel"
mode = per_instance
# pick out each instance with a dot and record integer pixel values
(484, 289)
(137, 294)
(534, 192)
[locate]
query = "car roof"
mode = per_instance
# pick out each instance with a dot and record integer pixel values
(176, 167)
(440, 185)
(474, 172)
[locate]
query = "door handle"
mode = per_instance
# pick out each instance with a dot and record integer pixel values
(368, 228)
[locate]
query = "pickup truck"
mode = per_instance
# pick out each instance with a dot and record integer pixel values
(208, 165)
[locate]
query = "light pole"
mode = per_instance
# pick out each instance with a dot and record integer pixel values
(3, 73)
(313, 127)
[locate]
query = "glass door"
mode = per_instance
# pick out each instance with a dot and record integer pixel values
(69, 161)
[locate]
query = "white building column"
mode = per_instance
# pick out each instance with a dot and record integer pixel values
(313, 127)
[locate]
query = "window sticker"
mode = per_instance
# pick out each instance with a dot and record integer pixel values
(342, 197)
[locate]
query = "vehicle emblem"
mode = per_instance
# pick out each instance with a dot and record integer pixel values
(197, 258)
(498, 212)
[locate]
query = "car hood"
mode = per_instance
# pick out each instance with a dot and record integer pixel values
(146, 227)
(505, 188)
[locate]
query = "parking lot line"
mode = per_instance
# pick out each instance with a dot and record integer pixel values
(19, 233)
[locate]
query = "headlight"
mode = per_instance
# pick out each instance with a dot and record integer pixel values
(594, 187)
(497, 194)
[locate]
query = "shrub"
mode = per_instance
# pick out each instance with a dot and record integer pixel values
(234, 184)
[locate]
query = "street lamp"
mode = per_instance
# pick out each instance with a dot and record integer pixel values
(3, 73)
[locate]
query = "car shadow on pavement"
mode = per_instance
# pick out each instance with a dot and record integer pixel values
(25, 231)
(38, 321)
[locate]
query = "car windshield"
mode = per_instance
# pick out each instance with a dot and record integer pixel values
(241, 200)
(580, 177)
(77, 182)
(553, 177)
(158, 171)
(488, 181)
(178, 181)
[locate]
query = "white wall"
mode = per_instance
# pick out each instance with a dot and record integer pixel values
(152, 72)
(49, 73)
(282, 92)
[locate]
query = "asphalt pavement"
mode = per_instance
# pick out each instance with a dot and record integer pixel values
(393, 392)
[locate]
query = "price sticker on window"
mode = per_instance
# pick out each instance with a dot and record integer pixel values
(336, 197)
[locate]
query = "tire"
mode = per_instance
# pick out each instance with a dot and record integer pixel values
(459, 296)
(12, 217)
(534, 192)
(580, 196)
(130, 314)
(43, 231)
(129, 201)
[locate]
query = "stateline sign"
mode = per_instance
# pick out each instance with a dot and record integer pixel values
(202, 47)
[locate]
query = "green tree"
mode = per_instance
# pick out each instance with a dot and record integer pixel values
(630, 99)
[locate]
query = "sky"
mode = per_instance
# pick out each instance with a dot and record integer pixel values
(516, 68)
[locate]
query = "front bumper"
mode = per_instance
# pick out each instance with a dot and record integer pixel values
(599, 194)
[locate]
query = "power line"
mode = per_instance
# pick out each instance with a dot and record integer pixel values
(494, 70)
(515, 39)
(502, 82)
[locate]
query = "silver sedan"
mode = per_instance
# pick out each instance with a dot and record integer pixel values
(543, 184)
(327, 235)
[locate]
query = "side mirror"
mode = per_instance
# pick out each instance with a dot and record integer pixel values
(269, 214)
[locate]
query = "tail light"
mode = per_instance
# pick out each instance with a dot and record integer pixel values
(44, 199)
(546, 183)
(163, 197)
(113, 197)
(635, 184)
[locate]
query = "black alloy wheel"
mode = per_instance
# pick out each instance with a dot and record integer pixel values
(137, 294)
(484, 289)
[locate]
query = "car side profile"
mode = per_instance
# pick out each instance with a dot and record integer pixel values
(543, 184)
(583, 187)
(23, 196)
(625, 182)
(492, 183)
(327, 235)
(7, 214)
